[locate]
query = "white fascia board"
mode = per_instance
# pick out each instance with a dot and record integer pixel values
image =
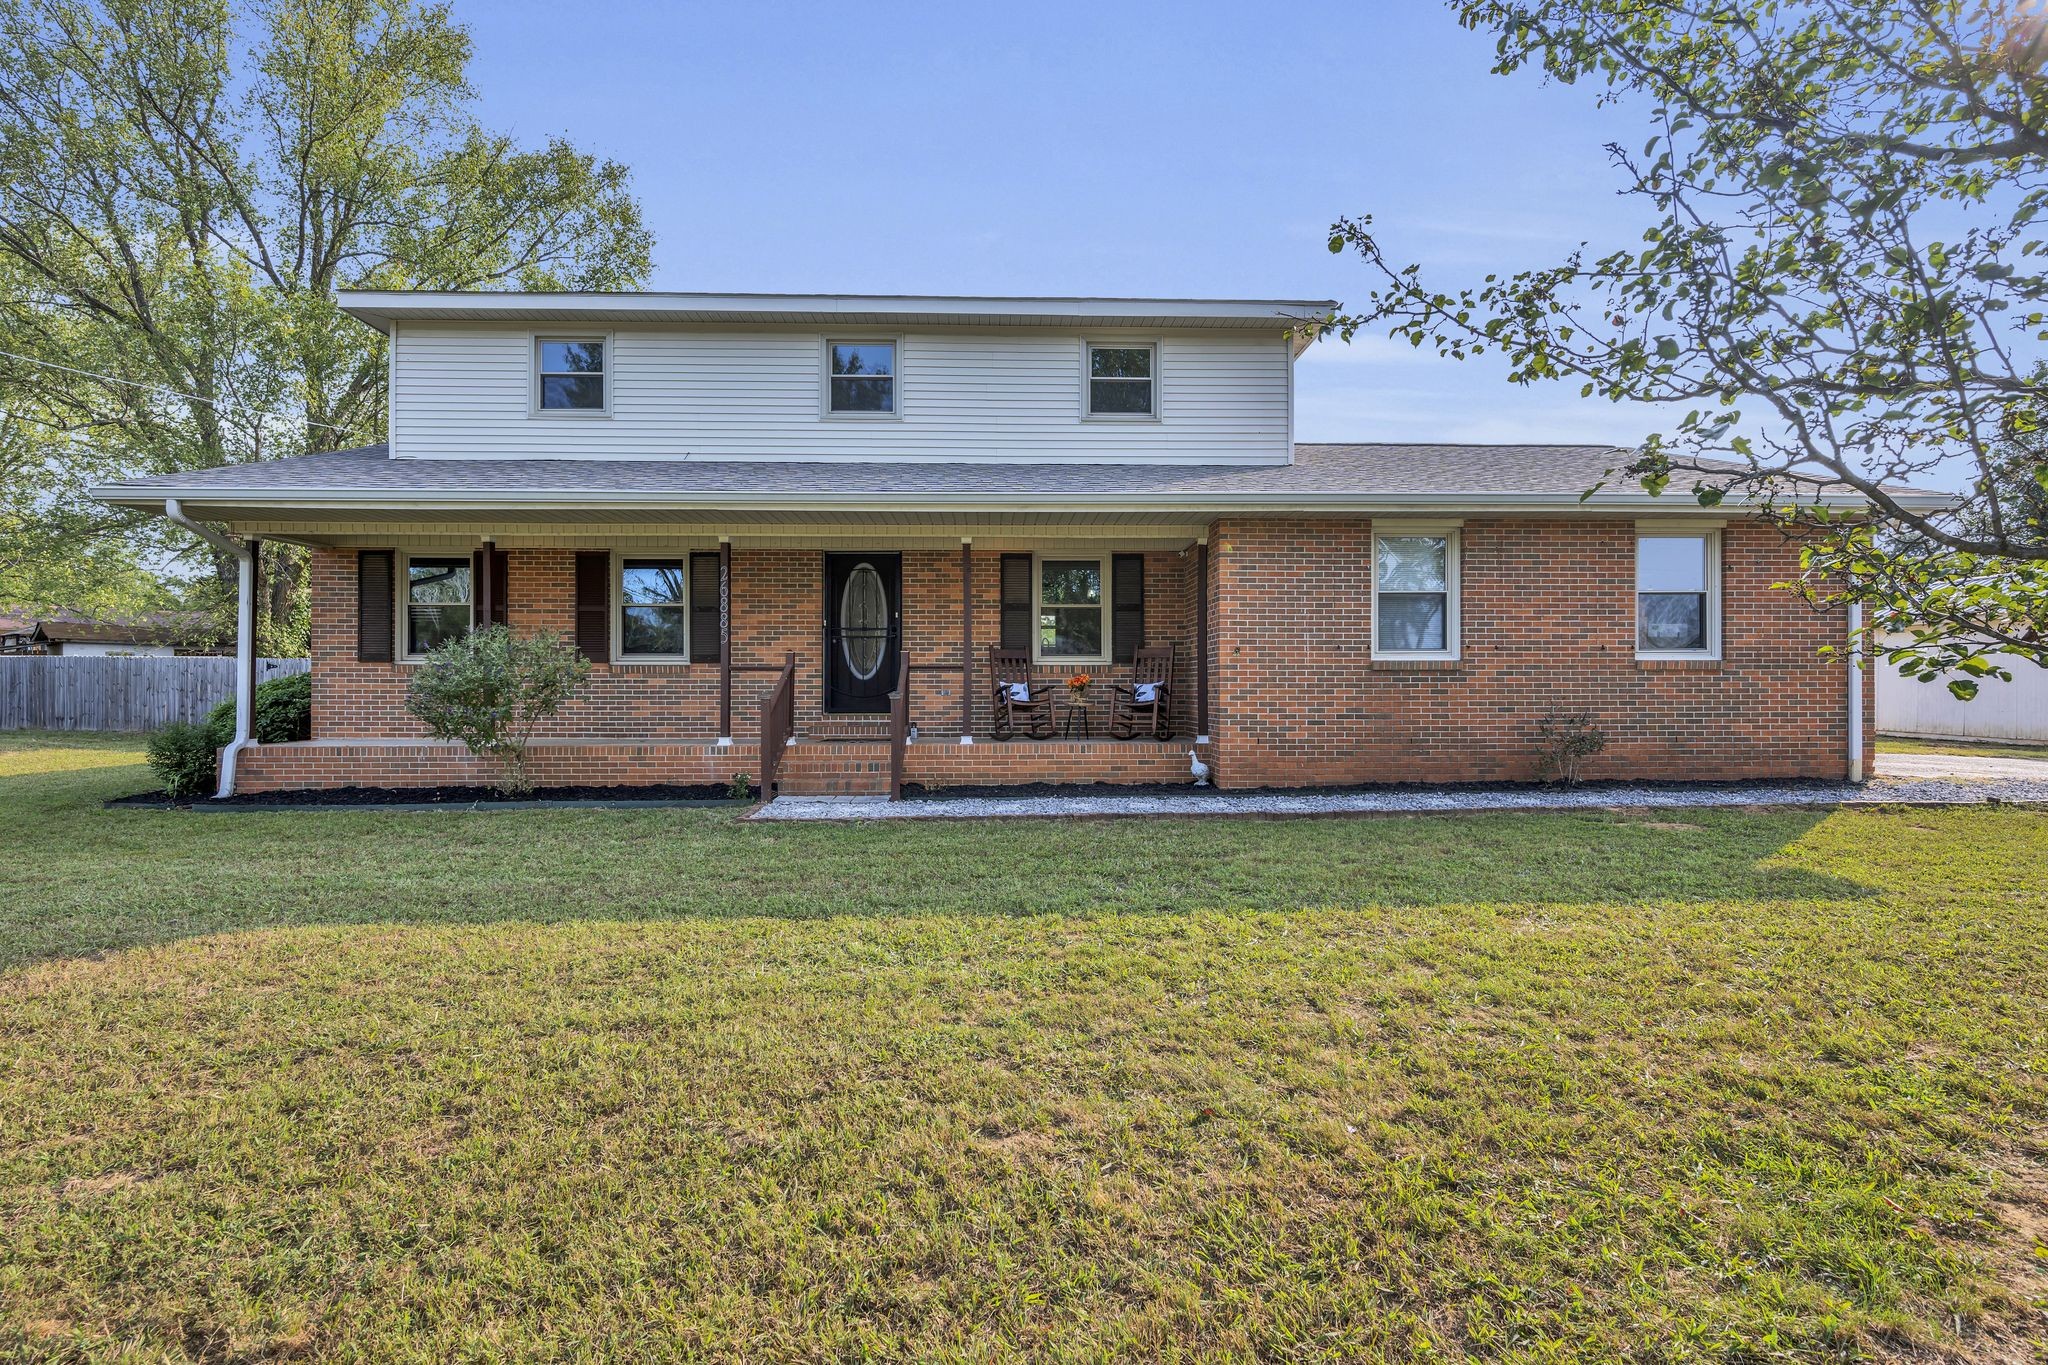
(1284, 501)
(378, 308)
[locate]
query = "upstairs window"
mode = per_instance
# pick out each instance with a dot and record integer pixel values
(1415, 595)
(1120, 381)
(860, 378)
(1677, 594)
(437, 602)
(572, 376)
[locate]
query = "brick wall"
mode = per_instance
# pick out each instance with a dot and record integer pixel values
(1549, 617)
(1295, 698)
(777, 608)
(428, 763)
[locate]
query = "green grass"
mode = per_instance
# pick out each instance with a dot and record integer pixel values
(1902, 744)
(663, 1085)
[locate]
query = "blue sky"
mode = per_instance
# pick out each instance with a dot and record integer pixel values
(1183, 150)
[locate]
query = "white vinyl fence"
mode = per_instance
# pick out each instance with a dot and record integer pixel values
(2016, 710)
(115, 693)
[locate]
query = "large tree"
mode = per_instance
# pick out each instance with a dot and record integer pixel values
(183, 186)
(1841, 284)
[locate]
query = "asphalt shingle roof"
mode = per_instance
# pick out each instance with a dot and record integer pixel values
(1414, 469)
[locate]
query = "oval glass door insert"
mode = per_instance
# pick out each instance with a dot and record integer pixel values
(864, 621)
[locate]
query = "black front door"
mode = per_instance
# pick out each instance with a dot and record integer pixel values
(863, 630)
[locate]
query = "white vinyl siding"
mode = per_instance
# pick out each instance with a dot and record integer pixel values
(460, 391)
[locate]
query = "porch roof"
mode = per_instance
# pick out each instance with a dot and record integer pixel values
(1321, 479)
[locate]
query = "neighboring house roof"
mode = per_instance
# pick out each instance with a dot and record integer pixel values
(1320, 478)
(156, 628)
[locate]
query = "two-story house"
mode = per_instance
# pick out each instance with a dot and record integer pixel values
(762, 516)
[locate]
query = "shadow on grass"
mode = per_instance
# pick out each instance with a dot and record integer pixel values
(76, 879)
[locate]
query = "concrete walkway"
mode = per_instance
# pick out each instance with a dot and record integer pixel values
(1963, 767)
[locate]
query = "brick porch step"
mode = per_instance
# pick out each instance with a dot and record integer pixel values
(847, 727)
(835, 767)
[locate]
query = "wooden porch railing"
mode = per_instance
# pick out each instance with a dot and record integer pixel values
(899, 726)
(778, 725)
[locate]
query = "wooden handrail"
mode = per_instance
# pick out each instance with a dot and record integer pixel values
(899, 727)
(778, 724)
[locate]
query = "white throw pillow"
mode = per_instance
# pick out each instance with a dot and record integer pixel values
(1020, 691)
(1145, 692)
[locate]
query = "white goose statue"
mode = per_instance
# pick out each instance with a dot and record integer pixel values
(1198, 768)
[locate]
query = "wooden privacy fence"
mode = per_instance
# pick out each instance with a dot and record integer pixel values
(117, 693)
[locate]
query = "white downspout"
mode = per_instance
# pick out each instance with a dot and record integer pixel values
(1855, 691)
(245, 638)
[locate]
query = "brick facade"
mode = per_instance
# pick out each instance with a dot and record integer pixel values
(1295, 697)
(1548, 625)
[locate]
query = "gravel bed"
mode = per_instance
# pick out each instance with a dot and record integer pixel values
(1879, 791)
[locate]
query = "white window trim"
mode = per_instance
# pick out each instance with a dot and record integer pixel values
(1088, 348)
(1678, 531)
(609, 372)
(825, 345)
(1102, 565)
(402, 627)
(619, 655)
(1454, 607)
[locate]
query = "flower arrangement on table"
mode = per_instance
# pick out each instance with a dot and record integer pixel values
(1078, 685)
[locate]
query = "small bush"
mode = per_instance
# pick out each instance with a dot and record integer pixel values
(490, 688)
(182, 756)
(742, 788)
(284, 712)
(1564, 740)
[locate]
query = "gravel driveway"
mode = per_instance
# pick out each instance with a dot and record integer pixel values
(1963, 767)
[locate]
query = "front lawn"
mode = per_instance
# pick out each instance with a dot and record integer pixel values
(664, 1085)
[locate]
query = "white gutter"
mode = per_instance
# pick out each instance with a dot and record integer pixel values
(1855, 691)
(1294, 501)
(245, 638)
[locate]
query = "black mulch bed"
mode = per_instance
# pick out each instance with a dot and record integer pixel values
(713, 792)
(1078, 789)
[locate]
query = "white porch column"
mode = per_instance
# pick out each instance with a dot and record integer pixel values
(245, 637)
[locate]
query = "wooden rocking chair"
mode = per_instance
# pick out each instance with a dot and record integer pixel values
(1131, 716)
(1027, 714)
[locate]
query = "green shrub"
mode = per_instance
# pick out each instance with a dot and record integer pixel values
(1564, 740)
(182, 755)
(284, 712)
(490, 688)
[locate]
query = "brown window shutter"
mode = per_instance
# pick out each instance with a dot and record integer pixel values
(374, 611)
(1127, 606)
(704, 607)
(1017, 601)
(501, 579)
(594, 605)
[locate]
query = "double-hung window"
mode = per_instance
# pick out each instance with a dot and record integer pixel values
(1121, 382)
(860, 378)
(438, 601)
(1415, 593)
(570, 375)
(654, 609)
(1678, 594)
(1073, 617)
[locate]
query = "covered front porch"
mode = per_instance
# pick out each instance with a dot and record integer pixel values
(847, 655)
